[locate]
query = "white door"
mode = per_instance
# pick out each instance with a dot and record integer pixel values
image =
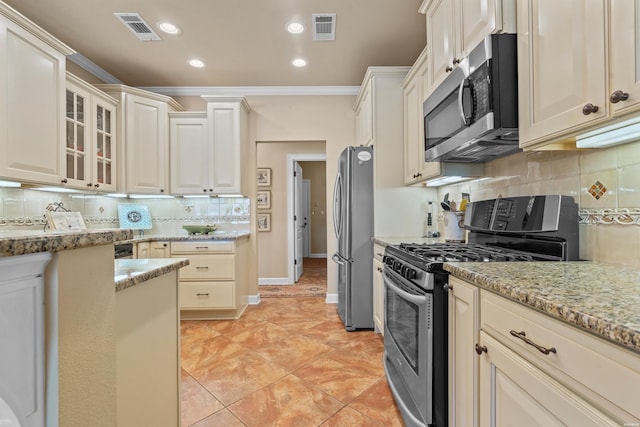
(298, 220)
(306, 215)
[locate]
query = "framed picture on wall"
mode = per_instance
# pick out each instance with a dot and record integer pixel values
(263, 199)
(263, 176)
(264, 222)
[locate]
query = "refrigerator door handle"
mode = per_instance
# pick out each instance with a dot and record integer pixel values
(337, 206)
(339, 259)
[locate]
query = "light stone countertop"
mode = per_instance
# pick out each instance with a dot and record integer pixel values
(216, 235)
(130, 272)
(603, 299)
(17, 242)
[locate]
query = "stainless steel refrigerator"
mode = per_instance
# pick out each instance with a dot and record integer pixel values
(353, 224)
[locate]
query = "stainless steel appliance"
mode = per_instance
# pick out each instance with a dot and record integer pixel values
(516, 229)
(353, 224)
(123, 250)
(472, 116)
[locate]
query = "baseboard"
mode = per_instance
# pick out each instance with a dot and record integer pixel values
(273, 281)
(254, 299)
(331, 298)
(317, 256)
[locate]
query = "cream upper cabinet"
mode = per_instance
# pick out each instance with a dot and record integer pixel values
(32, 101)
(464, 334)
(562, 68)
(455, 27)
(228, 121)
(90, 145)
(364, 116)
(143, 144)
(624, 55)
(189, 148)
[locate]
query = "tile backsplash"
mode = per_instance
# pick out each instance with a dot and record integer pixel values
(604, 182)
(24, 209)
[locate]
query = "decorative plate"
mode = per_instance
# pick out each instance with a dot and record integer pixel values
(134, 216)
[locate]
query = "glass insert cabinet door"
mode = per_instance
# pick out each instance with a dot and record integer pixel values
(104, 139)
(76, 137)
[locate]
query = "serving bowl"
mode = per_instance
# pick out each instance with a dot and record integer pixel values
(199, 229)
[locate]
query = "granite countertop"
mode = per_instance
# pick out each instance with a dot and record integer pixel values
(17, 242)
(216, 235)
(600, 298)
(130, 272)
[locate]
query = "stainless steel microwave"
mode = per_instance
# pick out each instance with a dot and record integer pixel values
(472, 116)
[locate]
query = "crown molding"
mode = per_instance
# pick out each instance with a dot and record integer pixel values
(93, 68)
(242, 91)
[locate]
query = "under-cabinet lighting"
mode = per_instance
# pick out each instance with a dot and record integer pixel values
(607, 136)
(446, 180)
(60, 190)
(150, 196)
(118, 195)
(230, 195)
(9, 184)
(196, 196)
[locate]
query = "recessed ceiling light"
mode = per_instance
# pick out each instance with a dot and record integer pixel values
(299, 62)
(196, 63)
(169, 28)
(295, 27)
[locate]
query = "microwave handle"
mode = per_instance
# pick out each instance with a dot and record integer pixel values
(465, 120)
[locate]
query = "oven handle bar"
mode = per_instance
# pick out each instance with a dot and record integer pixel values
(416, 299)
(398, 398)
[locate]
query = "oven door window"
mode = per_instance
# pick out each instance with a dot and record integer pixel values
(402, 322)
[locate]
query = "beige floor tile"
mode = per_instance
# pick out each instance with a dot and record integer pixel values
(196, 402)
(349, 417)
(222, 418)
(377, 403)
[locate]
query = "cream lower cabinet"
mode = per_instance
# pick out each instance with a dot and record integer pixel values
(32, 96)
(378, 289)
(464, 327)
(584, 380)
(215, 284)
(142, 250)
(159, 250)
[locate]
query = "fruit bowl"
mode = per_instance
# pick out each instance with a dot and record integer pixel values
(199, 229)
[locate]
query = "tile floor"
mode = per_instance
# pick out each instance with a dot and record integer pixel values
(286, 362)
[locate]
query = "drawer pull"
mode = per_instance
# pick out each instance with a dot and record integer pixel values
(202, 268)
(202, 247)
(523, 336)
(202, 295)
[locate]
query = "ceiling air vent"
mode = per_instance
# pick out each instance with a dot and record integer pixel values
(136, 24)
(324, 26)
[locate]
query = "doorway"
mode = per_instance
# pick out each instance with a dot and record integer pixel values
(309, 225)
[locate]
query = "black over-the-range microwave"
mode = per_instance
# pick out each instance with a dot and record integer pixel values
(472, 116)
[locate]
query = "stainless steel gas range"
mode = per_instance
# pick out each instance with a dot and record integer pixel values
(516, 229)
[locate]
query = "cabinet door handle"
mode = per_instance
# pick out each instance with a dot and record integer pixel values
(456, 61)
(523, 336)
(202, 268)
(202, 295)
(64, 181)
(448, 69)
(202, 247)
(589, 108)
(618, 96)
(481, 349)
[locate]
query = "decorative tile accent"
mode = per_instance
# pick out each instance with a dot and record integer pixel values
(598, 190)
(620, 216)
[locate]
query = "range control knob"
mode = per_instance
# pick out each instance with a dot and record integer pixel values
(410, 273)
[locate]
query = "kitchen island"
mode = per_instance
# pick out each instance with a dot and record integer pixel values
(81, 318)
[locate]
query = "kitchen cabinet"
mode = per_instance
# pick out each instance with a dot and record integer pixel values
(215, 283)
(562, 81)
(378, 288)
(228, 143)
(143, 250)
(32, 101)
(464, 327)
(159, 250)
(527, 368)
(364, 116)
(624, 56)
(143, 129)
(148, 353)
(455, 27)
(22, 359)
(90, 147)
(190, 162)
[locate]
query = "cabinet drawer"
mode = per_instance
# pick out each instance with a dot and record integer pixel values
(209, 267)
(217, 246)
(600, 371)
(205, 295)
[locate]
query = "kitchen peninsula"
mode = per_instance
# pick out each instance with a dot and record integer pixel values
(92, 322)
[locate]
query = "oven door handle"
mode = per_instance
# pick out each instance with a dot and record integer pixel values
(416, 299)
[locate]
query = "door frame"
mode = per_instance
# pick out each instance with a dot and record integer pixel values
(291, 235)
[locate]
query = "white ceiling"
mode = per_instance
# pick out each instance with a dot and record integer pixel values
(243, 42)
